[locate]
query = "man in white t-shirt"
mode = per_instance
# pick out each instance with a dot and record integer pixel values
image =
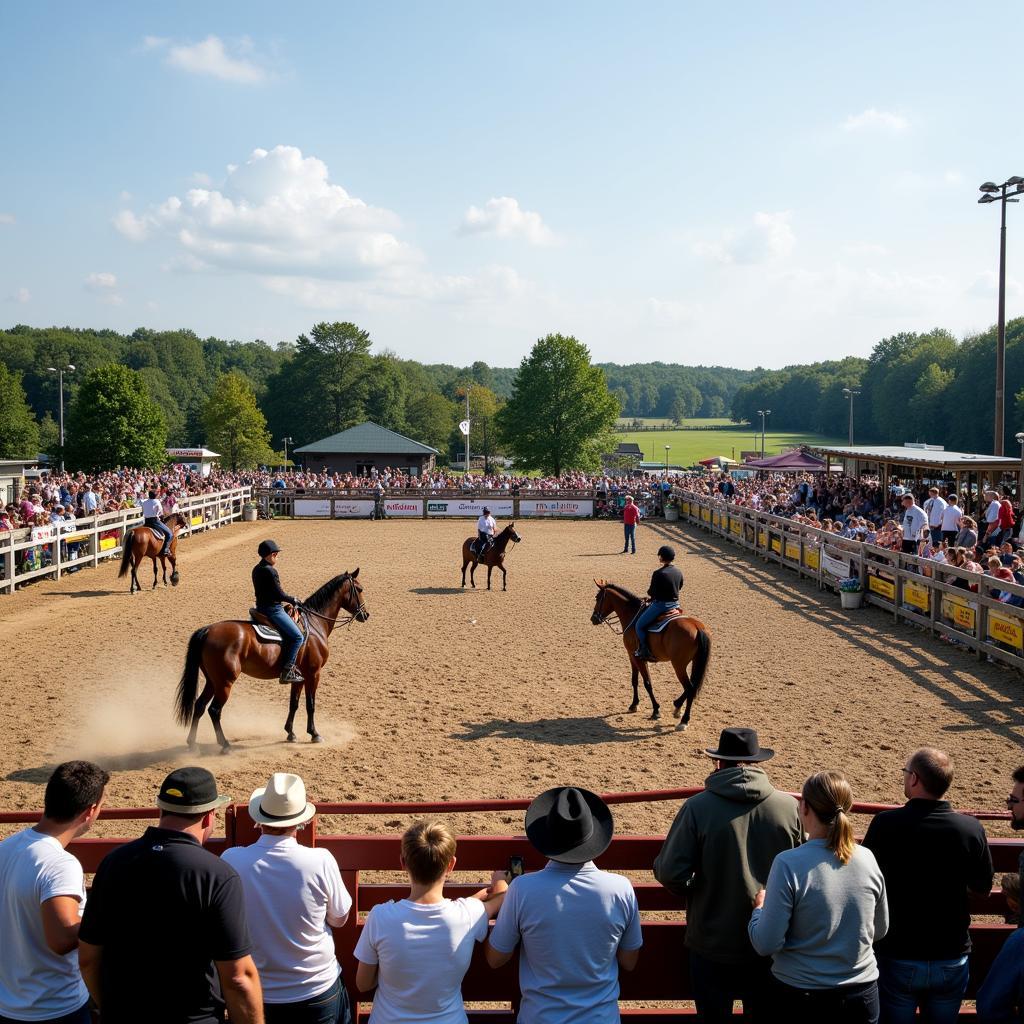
(294, 895)
(914, 522)
(991, 518)
(485, 527)
(951, 516)
(416, 951)
(42, 895)
(577, 924)
(933, 509)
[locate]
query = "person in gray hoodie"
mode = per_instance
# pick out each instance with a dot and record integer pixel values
(716, 857)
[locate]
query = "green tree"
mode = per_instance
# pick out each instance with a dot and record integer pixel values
(234, 424)
(430, 418)
(484, 406)
(560, 415)
(114, 422)
(386, 393)
(19, 434)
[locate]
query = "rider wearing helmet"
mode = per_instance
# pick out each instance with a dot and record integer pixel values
(270, 601)
(666, 583)
(152, 510)
(485, 527)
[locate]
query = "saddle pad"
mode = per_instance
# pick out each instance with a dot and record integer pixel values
(660, 624)
(265, 633)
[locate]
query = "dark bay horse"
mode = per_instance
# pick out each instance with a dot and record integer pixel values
(141, 542)
(224, 650)
(493, 556)
(681, 642)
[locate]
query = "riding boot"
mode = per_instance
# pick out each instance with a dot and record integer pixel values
(291, 675)
(643, 652)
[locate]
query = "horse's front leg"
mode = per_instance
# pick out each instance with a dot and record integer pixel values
(155, 574)
(635, 681)
(163, 566)
(645, 672)
(472, 573)
(311, 686)
(293, 706)
(490, 569)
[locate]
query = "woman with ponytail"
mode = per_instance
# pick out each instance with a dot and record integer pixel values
(823, 908)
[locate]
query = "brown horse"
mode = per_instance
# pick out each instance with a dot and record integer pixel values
(142, 542)
(682, 641)
(224, 650)
(493, 556)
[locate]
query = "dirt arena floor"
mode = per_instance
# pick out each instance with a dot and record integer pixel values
(452, 694)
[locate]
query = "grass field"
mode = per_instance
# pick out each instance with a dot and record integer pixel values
(624, 422)
(690, 446)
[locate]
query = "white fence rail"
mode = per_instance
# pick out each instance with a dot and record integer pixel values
(917, 590)
(54, 550)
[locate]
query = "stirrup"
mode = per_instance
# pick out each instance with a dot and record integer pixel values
(643, 653)
(292, 675)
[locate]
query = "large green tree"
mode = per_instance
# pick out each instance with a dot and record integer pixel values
(114, 422)
(429, 420)
(561, 414)
(19, 433)
(234, 424)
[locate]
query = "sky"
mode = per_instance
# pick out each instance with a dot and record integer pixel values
(746, 184)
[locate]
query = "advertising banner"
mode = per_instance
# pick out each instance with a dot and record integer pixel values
(1006, 630)
(792, 551)
(736, 527)
(353, 508)
(473, 507)
(812, 558)
(958, 612)
(836, 567)
(882, 585)
(398, 507)
(917, 596)
(776, 545)
(313, 507)
(570, 508)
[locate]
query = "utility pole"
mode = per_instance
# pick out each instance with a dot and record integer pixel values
(60, 371)
(467, 428)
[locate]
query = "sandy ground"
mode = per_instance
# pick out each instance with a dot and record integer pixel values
(452, 694)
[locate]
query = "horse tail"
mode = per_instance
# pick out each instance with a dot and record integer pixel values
(188, 684)
(701, 660)
(126, 553)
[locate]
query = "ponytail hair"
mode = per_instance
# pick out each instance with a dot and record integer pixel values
(829, 796)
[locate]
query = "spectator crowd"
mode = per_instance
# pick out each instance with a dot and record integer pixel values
(785, 911)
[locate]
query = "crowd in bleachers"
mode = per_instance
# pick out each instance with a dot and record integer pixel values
(785, 911)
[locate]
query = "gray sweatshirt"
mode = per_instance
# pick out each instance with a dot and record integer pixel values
(820, 917)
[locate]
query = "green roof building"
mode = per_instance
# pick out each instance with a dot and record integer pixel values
(365, 447)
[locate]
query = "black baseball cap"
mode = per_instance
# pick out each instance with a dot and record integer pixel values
(267, 547)
(190, 791)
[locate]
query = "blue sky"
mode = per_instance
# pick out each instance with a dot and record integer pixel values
(748, 184)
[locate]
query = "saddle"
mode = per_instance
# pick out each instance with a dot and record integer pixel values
(663, 620)
(264, 630)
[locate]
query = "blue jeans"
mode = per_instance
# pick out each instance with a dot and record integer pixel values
(649, 614)
(330, 1007)
(936, 986)
(630, 529)
(163, 528)
(291, 635)
(81, 1016)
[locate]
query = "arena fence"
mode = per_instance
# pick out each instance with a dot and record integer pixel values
(912, 589)
(51, 551)
(416, 504)
(662, 974)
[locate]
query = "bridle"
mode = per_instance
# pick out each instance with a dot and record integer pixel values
(604, 616)
(345, 620)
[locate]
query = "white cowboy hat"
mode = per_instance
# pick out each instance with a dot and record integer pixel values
(281, 802)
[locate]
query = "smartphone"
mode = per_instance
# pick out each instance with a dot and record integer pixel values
(515, 867)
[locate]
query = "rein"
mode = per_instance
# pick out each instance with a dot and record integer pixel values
(343, 619)
(605, 618)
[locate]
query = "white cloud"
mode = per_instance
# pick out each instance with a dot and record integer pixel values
(100, 281)
(6, 218)
(201, 178)
(210, 57)
(986, 285)
(21, 295)
(768, 238)
(669, 312)
(502, 217)
(871, 120)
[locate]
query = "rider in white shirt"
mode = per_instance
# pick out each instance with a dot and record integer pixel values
(485, 527)
(152, 511)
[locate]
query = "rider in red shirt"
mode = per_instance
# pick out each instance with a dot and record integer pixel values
(630, 517)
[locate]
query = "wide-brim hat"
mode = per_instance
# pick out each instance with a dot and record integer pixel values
(569, 825)
(190, 791)
(739, 744)
(281, 802)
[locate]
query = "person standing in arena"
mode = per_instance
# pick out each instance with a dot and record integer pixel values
(630, 517)
(42, 893)
(152, 510)
(270, 601)
(666, 583)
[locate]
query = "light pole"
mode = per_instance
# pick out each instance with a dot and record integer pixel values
(1020, 488)
(850, 394)
(286, 441)
(994, 193)
(60, 371)
(764, 414)
(666, 459)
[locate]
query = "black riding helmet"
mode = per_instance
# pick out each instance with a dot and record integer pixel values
(487, 511)
(267, 547)
(666, 553)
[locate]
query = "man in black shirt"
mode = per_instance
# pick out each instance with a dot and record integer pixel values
(666, 583)
(164, 937)
(930, 857)
(270, 601)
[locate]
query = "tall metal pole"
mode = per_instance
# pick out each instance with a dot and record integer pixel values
(467, 428)
(1001, 337)
(60, 387)
(851, 419)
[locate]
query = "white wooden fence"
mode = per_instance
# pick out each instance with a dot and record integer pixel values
(54, 550)
(913, 589)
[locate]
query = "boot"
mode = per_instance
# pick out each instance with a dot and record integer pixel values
(643, 653)
(292, 675)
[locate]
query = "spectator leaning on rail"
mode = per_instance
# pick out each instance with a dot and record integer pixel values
(914, 522)
(821, 911)
(294, 895)
(42, 892)
(930, 857)
(577, 924)
(165, 921)
(417, 951)
(717, 856)
(933, 509)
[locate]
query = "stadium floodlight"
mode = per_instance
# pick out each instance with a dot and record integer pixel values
(989, 186)
(60, 371)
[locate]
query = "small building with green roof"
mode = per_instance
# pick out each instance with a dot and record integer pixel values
(366, 447)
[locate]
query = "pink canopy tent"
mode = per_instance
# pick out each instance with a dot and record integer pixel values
(796, 461)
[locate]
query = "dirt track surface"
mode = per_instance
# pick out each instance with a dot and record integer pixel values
(451, 694)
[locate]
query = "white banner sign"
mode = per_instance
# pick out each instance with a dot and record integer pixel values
(569, 508)
(44, 532)
(353, 508)
(468, 507)
(313, 507)
(412, 507)
(835, 567)
(464, 427)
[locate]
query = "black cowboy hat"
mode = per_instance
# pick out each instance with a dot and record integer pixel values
(569, 825)
(740, 745)
(267, 547)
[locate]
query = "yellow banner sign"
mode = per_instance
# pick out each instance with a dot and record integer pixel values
(197, 520)
(811, 558)
(882, 587)
(792, 551)
(957, 612)
(1005, 630)
(736, 526)
(917, 596)
(762, 537)
(106, 543)
(777, 545)
(705, 514)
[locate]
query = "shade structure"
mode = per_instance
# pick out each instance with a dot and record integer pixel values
(796, 461)
(718, 460)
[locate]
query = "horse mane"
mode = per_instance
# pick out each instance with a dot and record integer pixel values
(623, 592)
(317, 601)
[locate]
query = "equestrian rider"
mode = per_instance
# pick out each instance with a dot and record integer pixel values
(270, 599)
(152, 510)
(666, 583)
(485, 527)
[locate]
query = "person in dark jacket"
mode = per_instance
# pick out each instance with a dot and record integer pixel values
(666, 583)
(717, 857)
(270, 601)
(931, 859)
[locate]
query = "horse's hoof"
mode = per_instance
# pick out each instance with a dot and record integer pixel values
(192, 747)
(682, 726)
(632, 709)
(291, 737)
(226, 749)
(316, 738)
(655, 715)
(675, 711)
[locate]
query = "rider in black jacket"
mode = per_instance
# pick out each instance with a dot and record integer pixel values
(666, 583)
(270, 600)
